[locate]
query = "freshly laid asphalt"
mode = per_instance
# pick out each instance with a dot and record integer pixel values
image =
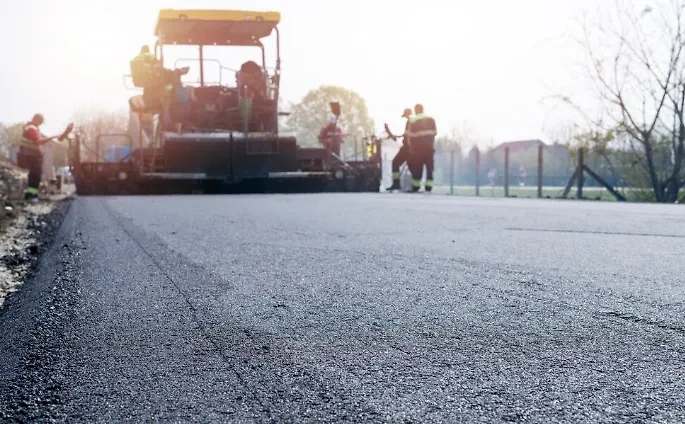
(351, 307)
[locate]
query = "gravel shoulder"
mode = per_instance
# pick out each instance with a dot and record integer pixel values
(35, 304)
(26, 229)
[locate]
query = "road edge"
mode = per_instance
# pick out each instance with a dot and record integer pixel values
(32, 321)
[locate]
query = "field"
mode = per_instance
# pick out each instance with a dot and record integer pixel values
(595, 193)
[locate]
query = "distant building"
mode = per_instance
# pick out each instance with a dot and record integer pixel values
(526, 148)
(517, 147)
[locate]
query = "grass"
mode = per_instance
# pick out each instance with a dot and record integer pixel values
(595, 193)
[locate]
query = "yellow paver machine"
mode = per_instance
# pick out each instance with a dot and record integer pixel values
(217, 134)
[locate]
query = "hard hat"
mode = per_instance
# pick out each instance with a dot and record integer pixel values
(406, 113)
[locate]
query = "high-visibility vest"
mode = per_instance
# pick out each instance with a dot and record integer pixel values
(371, 148)
(422, 129)
(29, 132)
(143, 69)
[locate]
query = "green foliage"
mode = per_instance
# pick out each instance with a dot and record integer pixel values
(641, 195)
(556, 160)
(605, 149)
(311, 114)
(597, 141)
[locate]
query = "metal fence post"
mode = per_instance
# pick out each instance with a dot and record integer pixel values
(356, 152)
(581, 179)
(540, 151)
(477, 172)
(452, 172)
(506, 172)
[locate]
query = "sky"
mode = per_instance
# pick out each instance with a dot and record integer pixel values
(483, 64)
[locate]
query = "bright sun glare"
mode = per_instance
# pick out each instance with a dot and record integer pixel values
(486, 63)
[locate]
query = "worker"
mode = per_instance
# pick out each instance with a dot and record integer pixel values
(403, 155)
(422, 130)
(331, 135)
(177, 99)
(30, 155)
(157, 82)
(250, 80)
(145, 69)
(252, 90)
(162, 88)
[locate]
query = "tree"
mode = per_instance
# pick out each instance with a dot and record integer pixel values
(636, 65)
(309, 115)
(461, 135)
(449, 151)
(11, 137)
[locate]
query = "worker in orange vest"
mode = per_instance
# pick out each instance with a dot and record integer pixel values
(331, 136)
(30, 154)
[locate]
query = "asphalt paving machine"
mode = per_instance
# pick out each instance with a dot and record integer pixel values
(216, 136)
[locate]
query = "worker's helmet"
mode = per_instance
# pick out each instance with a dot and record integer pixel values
(251, 67)
(406, 113)
(38, 119)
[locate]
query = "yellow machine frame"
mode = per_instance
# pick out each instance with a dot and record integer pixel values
(200, 27)
(214, 27)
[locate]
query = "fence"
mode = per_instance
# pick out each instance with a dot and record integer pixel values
(536, 171)
(352, 148)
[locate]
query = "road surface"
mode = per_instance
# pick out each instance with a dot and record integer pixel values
(351, 307)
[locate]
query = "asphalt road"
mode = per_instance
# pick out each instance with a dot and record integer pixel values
(335, 307)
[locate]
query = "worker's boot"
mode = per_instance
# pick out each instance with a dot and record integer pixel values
(415, 186)
(395, 185)
(31, 195)
(31, 198)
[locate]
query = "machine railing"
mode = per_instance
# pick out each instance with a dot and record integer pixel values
(223, 70)
(202, 73)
